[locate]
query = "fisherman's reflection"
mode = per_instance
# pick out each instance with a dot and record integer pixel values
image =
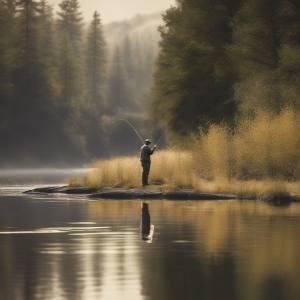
(146, 229)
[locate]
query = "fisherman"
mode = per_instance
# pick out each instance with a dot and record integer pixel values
(146, 229)
(146, 151)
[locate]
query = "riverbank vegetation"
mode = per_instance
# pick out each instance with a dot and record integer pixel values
(260, 157)
(224, 61)
(225, 73)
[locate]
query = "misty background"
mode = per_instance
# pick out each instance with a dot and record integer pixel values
(119, 10)
(66, 79)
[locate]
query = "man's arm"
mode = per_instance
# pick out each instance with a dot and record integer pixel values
(151, 151)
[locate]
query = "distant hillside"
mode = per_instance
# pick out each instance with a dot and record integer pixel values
(140, 25)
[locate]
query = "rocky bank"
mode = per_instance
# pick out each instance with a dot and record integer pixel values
(125, 194)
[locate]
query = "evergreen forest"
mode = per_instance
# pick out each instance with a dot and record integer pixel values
(64, 83)
(63, 86)
(224, 61)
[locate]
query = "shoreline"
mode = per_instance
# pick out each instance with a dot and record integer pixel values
(128, 194)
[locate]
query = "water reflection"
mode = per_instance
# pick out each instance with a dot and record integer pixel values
(92, 250)
(146, 229)
(16, 181)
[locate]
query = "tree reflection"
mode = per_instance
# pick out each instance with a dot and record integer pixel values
(206, 250)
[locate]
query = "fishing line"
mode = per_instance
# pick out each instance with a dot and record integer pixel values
(131, 127)
(168, 127)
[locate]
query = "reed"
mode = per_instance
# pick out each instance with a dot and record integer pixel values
(261, 157)
(264, 148)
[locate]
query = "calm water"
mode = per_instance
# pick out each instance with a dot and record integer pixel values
(69, 247)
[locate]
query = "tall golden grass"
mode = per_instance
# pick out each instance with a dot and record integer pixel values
(261, 157)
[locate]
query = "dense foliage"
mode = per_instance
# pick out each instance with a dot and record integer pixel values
(222, 60)
(62, 85)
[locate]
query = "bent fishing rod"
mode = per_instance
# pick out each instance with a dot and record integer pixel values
(165, 131)
(131, 127)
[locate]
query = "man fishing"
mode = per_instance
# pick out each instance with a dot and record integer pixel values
(146, 151)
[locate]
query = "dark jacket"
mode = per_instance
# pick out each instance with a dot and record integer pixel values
(146, 151)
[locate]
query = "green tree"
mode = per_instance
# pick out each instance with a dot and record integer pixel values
(48, 51)
(193, 76)
(36, 82)
(266, 52)
(28, 38)
(70, 20)
(290, 53)
(96, 64)
(24, 123)
(49, 89)
(69, 26)
(33, 81)
(7, 66)
(70, 72)
(7, 56)
(256, 47)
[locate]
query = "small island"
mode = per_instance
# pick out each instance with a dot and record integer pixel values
(149, 194)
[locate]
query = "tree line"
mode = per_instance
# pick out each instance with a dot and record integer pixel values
(221, 61)
(62, 86)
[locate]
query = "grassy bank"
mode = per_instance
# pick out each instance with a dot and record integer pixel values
(260, 157)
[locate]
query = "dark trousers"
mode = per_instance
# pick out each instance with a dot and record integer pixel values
(146, 171)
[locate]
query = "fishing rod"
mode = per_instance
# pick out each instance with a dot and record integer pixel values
(165, 131)
(131, 127)
(162, 136)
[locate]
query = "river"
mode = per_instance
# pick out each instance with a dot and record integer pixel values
(70, 247)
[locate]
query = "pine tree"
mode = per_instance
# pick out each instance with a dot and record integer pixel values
(28, 37)
(69, 26)
(70, 19)
(49, 51)
(7, 66)
(7, 57)
(193, 76)
(256, 51)
(95, 84)
(26, 77)
(49, 89)
(95, 63)
(70, 73)
(266, 51)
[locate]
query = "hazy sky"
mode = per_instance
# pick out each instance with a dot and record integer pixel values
(117, 10)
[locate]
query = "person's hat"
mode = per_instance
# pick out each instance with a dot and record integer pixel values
(147, 141)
